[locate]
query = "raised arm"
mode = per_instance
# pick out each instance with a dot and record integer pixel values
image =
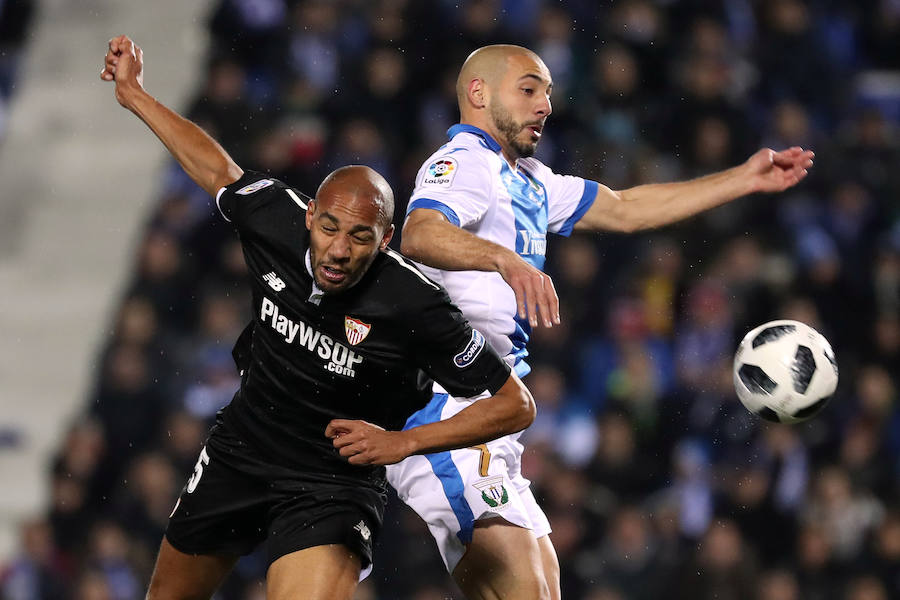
(654, 205)
(510, 410)
(201, 157)
(429, 238)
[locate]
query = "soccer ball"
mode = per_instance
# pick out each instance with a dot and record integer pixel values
(785, 371)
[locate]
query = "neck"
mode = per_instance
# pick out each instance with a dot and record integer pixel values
(509, 155)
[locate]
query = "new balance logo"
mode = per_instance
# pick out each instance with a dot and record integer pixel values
(363, 530)
(275, 282)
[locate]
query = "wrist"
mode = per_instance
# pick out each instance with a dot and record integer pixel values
(130, 95)
(746, 179)
(502, 259)
(409, 441)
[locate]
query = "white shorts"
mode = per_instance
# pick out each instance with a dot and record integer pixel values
(451, 490)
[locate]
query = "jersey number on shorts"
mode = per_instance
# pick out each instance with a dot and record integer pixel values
(485, 458)
(198, 471)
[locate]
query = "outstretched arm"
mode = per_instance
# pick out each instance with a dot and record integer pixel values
(510, 410)
(429, 238)
(655, 205)
(201, 157)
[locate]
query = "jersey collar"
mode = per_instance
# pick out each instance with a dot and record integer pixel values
(465, 128)
(316, 294)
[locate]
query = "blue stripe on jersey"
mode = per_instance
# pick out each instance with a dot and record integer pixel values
(519, 339)
(529, 204)
(445, 470)
(434, 205)
(587, 200)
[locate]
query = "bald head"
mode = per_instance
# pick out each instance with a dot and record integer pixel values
(489, 63)
(362, 183)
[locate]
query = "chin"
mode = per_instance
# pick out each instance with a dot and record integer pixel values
(526, 150)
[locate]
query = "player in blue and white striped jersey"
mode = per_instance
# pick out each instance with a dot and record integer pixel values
(479, 217)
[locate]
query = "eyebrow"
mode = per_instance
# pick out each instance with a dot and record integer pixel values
(538, 78)
(356, 229)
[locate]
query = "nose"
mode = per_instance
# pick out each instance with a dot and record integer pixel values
(545, 107)
(339, 249)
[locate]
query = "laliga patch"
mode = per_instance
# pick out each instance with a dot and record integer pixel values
(254, 187)
(356, 330)
(441, 172)
(471, 351)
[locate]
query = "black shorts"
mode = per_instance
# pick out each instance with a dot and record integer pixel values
(234, 501)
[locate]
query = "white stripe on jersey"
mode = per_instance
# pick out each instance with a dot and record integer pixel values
(403, 263)
(296, 198)
(219, 195)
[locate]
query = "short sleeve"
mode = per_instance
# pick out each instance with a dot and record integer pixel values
(456, 182)
(568, 198)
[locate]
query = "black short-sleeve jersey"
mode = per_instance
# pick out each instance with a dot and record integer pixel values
(369, 352)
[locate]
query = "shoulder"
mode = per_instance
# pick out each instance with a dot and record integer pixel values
(536, 168)
(254, 190)
(404, 270)
(457, 160)
(401, 283)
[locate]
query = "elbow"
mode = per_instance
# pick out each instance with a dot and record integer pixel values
(407, 246)
(626, 221)
(227, 173)
(410, 245)
(628, 224)
(627, 215)
(526, 410)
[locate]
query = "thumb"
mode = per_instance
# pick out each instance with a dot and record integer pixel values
(338, 427)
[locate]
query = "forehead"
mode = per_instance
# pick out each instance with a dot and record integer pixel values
(349, 205)
(521, 64)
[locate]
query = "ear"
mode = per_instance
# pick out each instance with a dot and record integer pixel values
(310, 213)
(386, 239)
(477, 93)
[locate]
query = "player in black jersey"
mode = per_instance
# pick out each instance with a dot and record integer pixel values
(344, 343)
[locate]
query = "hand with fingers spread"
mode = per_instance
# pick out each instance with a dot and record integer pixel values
(124, 64)
(536, 297)
(362, 443)
(776, 171)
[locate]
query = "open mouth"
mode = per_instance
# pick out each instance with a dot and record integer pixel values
(331, 274)
(535, 131)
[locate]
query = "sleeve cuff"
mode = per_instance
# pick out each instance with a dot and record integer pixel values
(587, 200)
(433, 205)
(219, 206)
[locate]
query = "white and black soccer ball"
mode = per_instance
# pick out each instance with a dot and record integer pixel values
(785, 371)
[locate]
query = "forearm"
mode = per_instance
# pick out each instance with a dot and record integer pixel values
(434, 241)
(512, 409)
(658, 204)
(201, 157)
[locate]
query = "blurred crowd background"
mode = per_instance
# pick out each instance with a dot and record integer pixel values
(657, 482)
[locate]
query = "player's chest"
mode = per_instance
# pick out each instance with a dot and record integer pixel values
(321, 340)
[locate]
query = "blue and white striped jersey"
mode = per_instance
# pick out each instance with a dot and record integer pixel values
(470, 182)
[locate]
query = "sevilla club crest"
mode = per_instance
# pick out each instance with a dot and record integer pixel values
(356, 330)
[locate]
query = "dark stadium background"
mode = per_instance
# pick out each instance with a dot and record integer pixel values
(657, 482)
